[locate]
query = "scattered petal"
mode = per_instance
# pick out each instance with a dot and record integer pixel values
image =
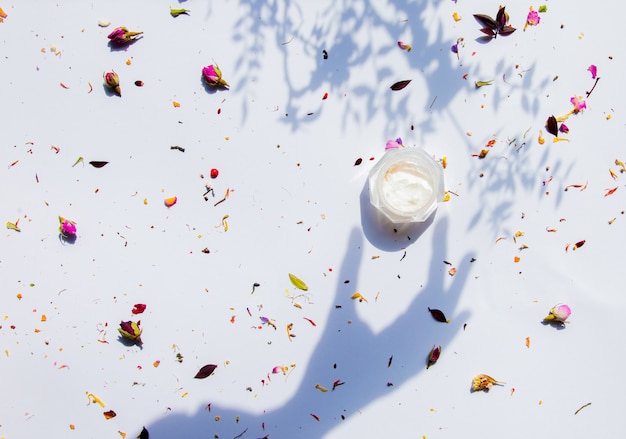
(479, 84)
(404, 46)
(109, 414)
(176, 12)
(359, 296)
(484, 382)
(138, 308)
(98, 164)
(170, 201)
(593, 70)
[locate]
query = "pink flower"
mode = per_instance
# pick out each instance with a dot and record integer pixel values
(392, 144)
(404, 46)
(559, 313)
(579, 103)
(122, 36)
(112, 80)
(533, 18)
(594, 71)
(213, 76)
(67, 227)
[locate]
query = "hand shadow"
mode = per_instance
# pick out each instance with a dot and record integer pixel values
(351, 352)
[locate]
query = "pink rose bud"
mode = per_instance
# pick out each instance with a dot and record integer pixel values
(559, 313)
(112, 80)
(67, 227)
(213, 76)
(122, 36)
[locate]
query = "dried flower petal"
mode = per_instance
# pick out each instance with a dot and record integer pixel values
(297, 282)
(170, 201)
(139, 308)
(479, 84)
(109, 414)
(205, 371)
(438, 315)
(404, 46)
(484, 382)
(593, 70)
(400, 85)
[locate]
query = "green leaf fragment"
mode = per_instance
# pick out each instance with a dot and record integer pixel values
(78, 160)
(543, 8)
(297, 282)
(13, 226)
(483, 83)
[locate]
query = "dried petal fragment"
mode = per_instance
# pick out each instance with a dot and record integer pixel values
(438, 315)
(97, 164)
(484, 382)
(359, 296)
(479, 84)
(321, 389)
(138, 308)
(109, 414)
(170, 201)
(400, 85)
(205, 371)
(297, 282)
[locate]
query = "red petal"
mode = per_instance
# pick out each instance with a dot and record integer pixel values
(139, 308)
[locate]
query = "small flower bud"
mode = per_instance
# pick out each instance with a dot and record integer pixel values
(112, 80)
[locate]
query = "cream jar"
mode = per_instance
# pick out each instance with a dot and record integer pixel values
(406, 185)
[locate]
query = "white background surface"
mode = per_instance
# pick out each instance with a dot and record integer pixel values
(298, 205)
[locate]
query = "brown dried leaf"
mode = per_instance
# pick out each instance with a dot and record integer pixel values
(400, 85)
(206, 371)
(438, 315)
(552, 126)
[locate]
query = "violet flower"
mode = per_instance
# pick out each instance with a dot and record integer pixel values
(392, 144)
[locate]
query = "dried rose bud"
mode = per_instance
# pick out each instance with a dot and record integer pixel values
(67, 227)
(131, 331)
(213, 76)
(433, 356)
(122, 36)
(112, 80)
(559, 313)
